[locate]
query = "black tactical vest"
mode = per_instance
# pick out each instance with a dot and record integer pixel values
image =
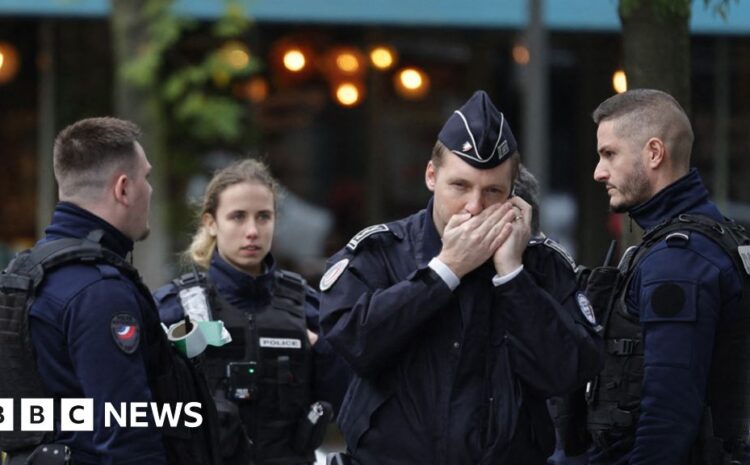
(171, 376)
(267, 368)
(614, 396)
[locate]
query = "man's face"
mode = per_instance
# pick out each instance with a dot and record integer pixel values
(243, 225)
(621, 168)
(461, 188)
(141, 195)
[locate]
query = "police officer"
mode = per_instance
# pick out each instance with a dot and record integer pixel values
(453, 343)
(95, 329)
(673, 312)
(270, 373)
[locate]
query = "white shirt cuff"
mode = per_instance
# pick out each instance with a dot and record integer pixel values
(445, 273)
(500, 280)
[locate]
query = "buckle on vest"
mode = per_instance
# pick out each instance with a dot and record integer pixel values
(622, 346)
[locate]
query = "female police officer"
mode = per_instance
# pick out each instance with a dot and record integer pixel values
(265, 378)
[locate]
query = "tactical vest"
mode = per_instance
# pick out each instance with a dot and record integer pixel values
(614, 396)
(171, 377)
(267, 368)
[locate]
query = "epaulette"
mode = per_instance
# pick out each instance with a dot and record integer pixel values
(364, 234)
(546, 241)
(537, 240)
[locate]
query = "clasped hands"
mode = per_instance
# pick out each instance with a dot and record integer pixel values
(500, 231)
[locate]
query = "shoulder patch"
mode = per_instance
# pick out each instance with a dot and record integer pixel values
(333, 274)
(126, 332)
(560, 250)
(364, 234)
(668, 300)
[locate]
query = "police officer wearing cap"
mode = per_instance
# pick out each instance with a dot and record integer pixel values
(453, 342)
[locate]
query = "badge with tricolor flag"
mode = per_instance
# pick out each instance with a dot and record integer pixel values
(126, 332)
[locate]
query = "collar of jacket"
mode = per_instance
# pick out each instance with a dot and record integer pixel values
(70, 220)
(431, 244)
(237, 286)
(687, 194)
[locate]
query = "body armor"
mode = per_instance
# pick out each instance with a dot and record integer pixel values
(614, 396)
(172, 378)
(266, 371)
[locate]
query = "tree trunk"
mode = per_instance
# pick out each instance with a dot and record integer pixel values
(656, 49)
(130, 36)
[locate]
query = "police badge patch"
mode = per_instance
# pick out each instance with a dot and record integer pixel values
(333, 273)
(586, 309)
(125, 332)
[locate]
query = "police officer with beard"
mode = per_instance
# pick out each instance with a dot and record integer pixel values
(674, 389)
(454, 344)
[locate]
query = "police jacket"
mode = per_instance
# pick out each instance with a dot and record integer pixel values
(679, 291)
(450, 377)
(91, 329)
(328, 374)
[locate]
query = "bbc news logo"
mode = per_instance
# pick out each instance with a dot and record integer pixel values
(78, 414)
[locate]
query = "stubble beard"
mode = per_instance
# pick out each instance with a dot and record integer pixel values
(634, 191)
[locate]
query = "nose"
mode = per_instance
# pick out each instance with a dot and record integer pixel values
(600, 173)
(474, 205)
(251, 229)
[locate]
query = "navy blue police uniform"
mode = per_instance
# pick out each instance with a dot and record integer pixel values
(681, 289)
(328, 376)
(452, 377)
(91, 328)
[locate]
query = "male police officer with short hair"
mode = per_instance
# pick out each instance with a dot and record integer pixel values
(92, 326)
(676, 330)
(454, 344)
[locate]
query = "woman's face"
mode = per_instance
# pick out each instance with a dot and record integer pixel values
(243, 225)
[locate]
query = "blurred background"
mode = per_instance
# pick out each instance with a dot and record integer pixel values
(344, 99)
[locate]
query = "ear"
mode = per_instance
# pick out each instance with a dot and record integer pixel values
(209, 223)
(656, 152)
(430, 176)
(121, 188)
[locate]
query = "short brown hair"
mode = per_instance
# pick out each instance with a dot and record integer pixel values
(645, 113)
(248, 170)
(87, 151)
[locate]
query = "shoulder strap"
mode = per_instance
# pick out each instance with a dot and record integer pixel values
(292, 286)
(193, 278)
(726, 234)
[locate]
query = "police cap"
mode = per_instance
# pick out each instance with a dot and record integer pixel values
(478, 133)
